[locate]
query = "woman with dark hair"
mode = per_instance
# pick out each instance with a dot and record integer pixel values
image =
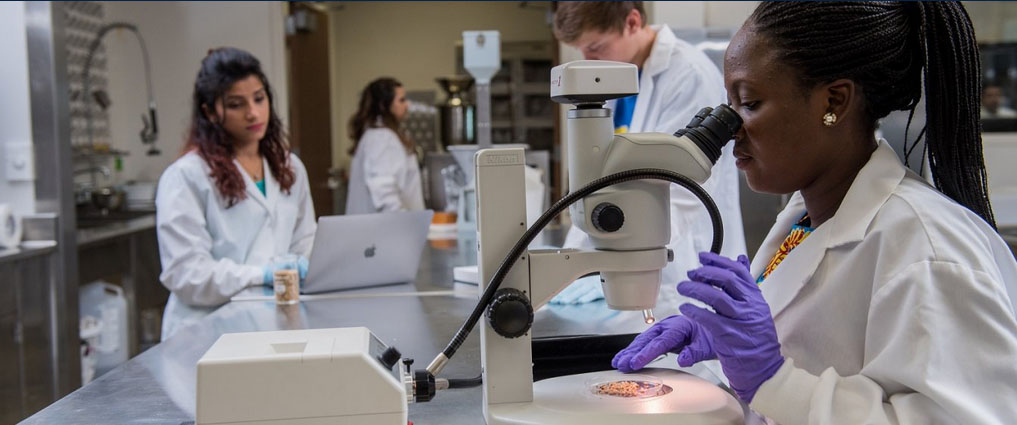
(876, 298)
(385, 175)
(235, 198)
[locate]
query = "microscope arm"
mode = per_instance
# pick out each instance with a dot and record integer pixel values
(551, 270)
(656, 150)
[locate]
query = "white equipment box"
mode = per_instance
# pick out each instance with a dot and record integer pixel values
(305, 377)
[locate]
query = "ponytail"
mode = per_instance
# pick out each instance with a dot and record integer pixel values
(953, 95)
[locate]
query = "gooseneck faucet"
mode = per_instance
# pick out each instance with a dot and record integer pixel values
(150, 131)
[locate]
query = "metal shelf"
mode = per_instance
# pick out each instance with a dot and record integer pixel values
(89, 152)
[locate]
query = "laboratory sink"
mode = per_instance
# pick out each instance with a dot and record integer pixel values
(90, 218)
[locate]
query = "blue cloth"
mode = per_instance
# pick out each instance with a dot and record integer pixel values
(261, 185)
(583, 290)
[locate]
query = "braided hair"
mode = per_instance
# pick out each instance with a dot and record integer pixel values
(886, 48)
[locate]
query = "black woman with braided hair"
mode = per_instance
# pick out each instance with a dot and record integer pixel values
(879, 296)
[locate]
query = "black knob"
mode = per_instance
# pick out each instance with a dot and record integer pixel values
(389, 357)
(607, 217)
(510, 313)
(423, 386)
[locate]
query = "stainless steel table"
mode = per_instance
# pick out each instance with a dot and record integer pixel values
(418, 318)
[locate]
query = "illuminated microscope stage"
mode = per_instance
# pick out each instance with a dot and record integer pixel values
(575, 399)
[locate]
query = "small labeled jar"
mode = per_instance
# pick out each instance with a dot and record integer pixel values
(286, 279)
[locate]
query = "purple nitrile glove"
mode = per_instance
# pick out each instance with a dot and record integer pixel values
(740, 325)
(675, 334)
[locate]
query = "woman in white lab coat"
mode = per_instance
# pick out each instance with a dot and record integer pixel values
(876, 298)
(234, 199)
(385, 175)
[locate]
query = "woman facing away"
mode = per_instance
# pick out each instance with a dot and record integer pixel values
(385, 175)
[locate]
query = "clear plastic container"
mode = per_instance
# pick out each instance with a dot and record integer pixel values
(286, 279)
(89, 329)
(106, 302)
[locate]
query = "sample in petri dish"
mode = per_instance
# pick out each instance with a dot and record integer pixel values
(632, 386)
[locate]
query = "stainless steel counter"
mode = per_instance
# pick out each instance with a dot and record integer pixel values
(418, 318)
(114, 228)
(27, 250)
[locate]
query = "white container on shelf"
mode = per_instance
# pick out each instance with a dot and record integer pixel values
(89, 329)
(107, 302)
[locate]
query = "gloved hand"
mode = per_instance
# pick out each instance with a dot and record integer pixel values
(740, 325)
(675, 334)
(583, 290)
(270, 269)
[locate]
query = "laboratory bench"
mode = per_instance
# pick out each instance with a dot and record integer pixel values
(418, 318)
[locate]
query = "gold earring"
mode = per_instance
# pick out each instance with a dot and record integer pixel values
(829, 119)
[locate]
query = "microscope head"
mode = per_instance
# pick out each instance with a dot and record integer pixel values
(593, 82)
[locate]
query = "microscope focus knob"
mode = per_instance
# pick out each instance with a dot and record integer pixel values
(510, 313)
(607, 217)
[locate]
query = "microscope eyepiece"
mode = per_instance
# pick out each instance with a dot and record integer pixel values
(711, 129)
(723, 121)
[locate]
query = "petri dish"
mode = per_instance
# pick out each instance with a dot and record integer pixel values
(629, 387)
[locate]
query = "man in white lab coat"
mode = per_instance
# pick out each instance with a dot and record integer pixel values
(676, 81)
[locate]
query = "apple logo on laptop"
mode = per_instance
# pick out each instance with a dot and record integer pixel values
(369, 252)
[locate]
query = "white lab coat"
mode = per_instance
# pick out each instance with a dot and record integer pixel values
(677, 81)
(899, 309)
(210, 252)
(384, 176)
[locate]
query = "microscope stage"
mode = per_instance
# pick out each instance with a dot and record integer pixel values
(578, 399)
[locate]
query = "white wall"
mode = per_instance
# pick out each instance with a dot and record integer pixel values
(1000, 150)
(178, 35)
(678, 14)
(994, 21)
(728, 14)
(413, 42)
(15, 103)
(699, 14)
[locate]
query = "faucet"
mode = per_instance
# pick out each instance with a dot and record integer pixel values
(150, 131)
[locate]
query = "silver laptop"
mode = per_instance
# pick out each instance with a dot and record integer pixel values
(355, 251)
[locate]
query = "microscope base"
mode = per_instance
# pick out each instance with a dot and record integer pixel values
(569, 400)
